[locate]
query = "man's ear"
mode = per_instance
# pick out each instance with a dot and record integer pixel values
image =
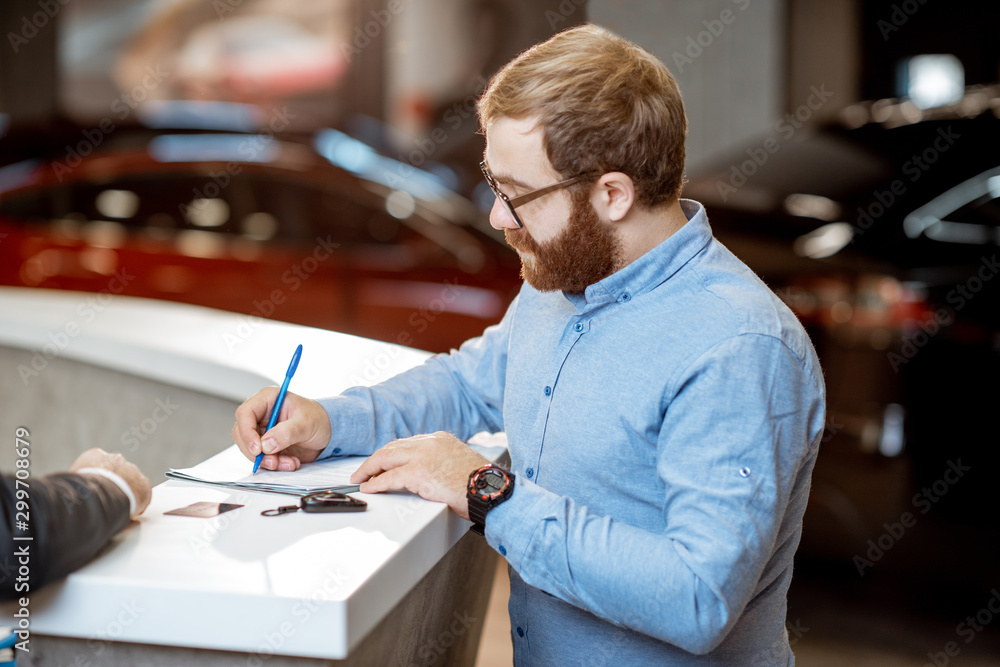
(615, 196)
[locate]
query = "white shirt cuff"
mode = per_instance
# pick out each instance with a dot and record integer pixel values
(118, 480)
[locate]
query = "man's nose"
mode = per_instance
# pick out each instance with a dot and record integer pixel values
(501, 218)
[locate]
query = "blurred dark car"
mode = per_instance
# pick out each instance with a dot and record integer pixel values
(881, 232)
(323, 232)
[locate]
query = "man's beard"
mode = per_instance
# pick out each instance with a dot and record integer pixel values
(585, 252)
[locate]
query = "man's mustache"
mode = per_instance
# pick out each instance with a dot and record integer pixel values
(520, 239)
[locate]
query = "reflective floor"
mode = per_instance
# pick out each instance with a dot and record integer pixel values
(836, 623)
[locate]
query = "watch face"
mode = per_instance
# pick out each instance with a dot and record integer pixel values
(489, 483)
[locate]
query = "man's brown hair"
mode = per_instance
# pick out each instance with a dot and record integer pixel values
(604, 104)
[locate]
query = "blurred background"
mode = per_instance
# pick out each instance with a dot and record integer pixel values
(315, 161)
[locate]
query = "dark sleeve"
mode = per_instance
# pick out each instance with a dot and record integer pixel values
(70, 518)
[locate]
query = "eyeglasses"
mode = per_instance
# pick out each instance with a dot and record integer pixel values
(512, 204)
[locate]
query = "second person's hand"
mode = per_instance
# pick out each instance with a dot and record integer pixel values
(116, 463)
(302, 431)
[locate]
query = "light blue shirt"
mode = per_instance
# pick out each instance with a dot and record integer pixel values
(663, 428)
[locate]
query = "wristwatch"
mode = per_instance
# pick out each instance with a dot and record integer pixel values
(488, 487)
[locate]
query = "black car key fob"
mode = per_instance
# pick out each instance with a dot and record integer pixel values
(331, 501)
(322, 501)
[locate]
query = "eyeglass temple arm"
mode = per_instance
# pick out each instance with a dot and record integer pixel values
(532, 196)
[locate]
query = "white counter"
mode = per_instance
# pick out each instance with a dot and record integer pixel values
(218, 353)
(310, 585)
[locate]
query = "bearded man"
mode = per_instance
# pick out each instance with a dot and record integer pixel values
(663, 408)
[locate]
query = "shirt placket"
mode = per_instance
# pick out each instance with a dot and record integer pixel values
(576, 327)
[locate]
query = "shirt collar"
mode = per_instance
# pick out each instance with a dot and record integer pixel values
(653, 268)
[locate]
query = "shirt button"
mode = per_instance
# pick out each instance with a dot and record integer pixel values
(530, 472)
(336, 450)
(625, 297)
(548, 391)
(744, 471)
(520, 632)
(502, 549)
(579, 327)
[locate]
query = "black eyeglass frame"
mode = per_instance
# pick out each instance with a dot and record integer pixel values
(520, 200)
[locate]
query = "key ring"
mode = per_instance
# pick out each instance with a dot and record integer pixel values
(286, 509)
(321, 501)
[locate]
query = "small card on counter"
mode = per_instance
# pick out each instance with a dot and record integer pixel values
(204, 509)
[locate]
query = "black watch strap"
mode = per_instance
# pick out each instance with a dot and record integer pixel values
(477, 514)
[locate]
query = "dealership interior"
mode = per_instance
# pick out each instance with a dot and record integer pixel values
(316, 164)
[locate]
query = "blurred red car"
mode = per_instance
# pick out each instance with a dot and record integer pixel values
(325, 233)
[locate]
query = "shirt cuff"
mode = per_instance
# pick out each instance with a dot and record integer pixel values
(511, 525)
(118, 480)
(350, 426)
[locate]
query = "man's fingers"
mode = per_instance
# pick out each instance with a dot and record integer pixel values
(282, 462)
(241, 442)
(249, 417)
(387, 458)
(368, 469)
(290, 430)
(247, 440)
(278, 438)
(390, 480)
(257, 408)
(288, 463)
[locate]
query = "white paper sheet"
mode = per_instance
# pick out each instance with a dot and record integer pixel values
(230, 468)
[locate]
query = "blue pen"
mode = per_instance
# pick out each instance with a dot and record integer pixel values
(276, 410)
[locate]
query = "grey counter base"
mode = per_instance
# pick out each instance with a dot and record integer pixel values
(439, 622)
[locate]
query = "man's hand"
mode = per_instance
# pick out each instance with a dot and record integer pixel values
(116, 463)
(436, 466)
(302, 431)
